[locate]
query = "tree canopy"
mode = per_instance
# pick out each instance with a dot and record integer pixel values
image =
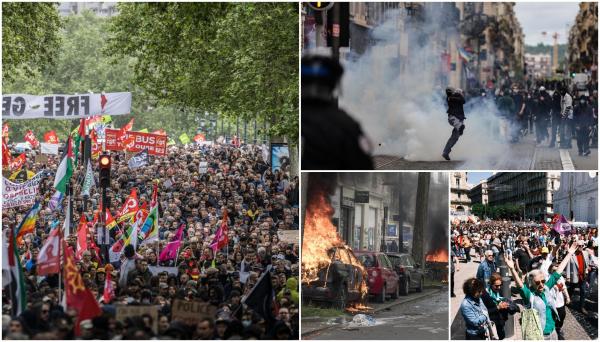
(30, 37)
(238, 59)
(82, 62)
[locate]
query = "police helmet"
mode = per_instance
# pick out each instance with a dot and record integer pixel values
(321, 69)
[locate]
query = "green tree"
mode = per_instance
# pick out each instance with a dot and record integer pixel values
(236, 59)
(30, 37)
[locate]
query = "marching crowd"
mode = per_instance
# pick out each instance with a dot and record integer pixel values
(551, 270)
(234, 187)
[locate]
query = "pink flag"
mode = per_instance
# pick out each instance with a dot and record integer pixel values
(562, 226)
(170, 252)
(221, 238)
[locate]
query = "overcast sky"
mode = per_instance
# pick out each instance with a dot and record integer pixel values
(536, 17)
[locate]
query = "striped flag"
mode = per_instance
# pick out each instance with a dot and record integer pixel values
(18, 293)
(28, 223)
(149, 231)
(55, 201)
(65, 170)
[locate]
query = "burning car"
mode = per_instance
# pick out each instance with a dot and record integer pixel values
(330, 271)
(339, 282)
(411, 274)
(383, 280)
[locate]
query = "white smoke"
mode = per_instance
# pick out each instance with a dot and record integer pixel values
(403, 110)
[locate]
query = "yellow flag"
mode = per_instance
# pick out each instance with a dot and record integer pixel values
(184, 139)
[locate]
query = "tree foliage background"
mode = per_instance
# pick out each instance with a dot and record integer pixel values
(180, 61)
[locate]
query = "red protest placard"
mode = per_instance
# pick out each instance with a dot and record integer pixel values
(137, 141)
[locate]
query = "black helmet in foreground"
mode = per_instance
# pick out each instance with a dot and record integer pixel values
(321, 70)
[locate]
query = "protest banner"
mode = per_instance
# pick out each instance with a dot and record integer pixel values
(138, 160)
(48, 148)
(192, 312)
(155, 270)
(124, 311)
(64, 107)
(289, 236)
(155, 143)
(23, 194)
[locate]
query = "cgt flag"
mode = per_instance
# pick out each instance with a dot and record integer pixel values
(130, 207)
(31, 139)
(138, 160)
(51, 137)
(48, 260)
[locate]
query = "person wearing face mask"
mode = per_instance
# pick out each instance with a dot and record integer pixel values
(584, 119)
(566, 112)
(555, 116)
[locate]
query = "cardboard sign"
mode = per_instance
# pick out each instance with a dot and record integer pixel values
(65, 107)
(192, 312)
(124, 311)
(155, 143)
(40, 158)
(289, 236)
(203, 167)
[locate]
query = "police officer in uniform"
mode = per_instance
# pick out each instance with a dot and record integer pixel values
(331, 139)
(456, 118)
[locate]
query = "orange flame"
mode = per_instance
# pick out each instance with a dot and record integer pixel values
(439, 255)
(320, 235)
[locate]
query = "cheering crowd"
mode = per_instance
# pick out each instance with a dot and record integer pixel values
(551, 270)
(222, 211)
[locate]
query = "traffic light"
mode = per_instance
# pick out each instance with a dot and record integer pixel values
(320, 6)
(104, 162)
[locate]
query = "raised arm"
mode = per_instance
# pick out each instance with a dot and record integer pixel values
(567, 257)
(511, 266)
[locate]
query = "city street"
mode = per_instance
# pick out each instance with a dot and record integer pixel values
(576, 327)
(524, 155)
(419, 316)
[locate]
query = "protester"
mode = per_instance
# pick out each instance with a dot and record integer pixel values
(222, 221)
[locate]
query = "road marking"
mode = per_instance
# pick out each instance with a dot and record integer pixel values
(565, 159)
(532, 164)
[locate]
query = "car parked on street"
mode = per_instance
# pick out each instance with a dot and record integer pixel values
(339, 283)
(383, 280)
(411, 274)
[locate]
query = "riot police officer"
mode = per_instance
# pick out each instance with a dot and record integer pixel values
(331, 139)
(584, 119)
(456, 118)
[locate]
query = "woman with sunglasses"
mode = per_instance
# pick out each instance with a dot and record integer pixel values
(534, 292)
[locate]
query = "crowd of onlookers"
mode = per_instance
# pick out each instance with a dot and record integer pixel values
(260, 205)
(550, 272)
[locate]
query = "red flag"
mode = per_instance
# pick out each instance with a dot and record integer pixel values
(17, 163)
(154, 194)
(221, 238)
(82, 231)
(51, 137)
(555, 218)
(546, 228)
(127, 127)
(103, 101)
(31, 139)
(6, 156)
(130, 207)
(109, 291)
(78, 296)
(5, 132)
(98, 256)
(48, 260)
(160, 131)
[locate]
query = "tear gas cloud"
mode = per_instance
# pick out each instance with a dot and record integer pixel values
(402, 108)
